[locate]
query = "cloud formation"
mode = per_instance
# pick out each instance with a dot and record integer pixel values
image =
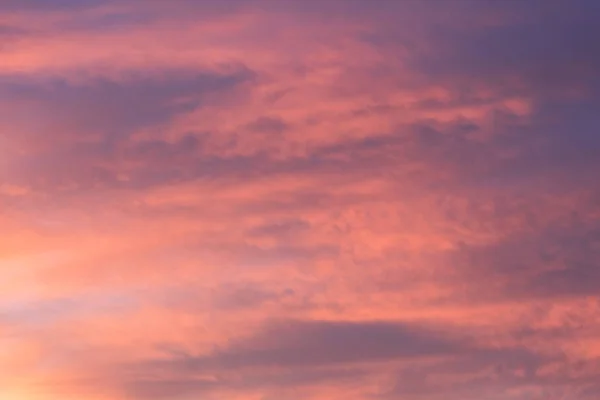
(299, 200)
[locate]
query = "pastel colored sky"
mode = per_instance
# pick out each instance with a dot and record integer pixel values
(299, 199)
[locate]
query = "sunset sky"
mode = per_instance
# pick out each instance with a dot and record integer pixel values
(299, 200)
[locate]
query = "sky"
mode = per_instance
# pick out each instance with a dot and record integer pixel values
(299, 199)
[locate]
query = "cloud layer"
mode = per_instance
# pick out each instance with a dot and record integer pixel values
(299, 200)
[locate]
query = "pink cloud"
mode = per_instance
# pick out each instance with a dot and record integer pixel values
(300, 201)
